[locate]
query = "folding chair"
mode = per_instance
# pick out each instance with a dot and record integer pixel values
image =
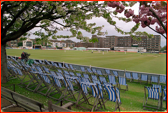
(36, 63)
(157, 86)
(60, 71)
(154, 79)
(72, 74)
(60, 65)
(122, 81)
(144, 78)
(99, 72)
(94, 77)
(135, 76)
(54, 64)
(38, 68)
(46, 83)
(66, 72)
(162, 79)
(46, 69)
(65, 93)
(94, 70)
(35, 82)
(41, 62)
(66, 65)
(103, 81)
(112, 80)
(78, 74)
(96, 93)
(115, 73)
(128, 76)
(89, 70)
(83, 69)
(165, 94)
(14, 73)
(108, 71)
(86, 76)
(53, 73)
(71, 67)
(114, 95)
(48, 63)
(154, 94)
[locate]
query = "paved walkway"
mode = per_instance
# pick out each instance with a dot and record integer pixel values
(7, 106)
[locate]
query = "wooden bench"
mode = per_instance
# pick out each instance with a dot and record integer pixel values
(30, 104)
(53, 107)
(22, 101)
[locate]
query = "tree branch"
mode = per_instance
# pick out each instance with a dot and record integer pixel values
(157, 32)
(61, 24)
(158, 20)
(14, 19)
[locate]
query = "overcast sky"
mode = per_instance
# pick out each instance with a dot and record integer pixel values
(110, 29)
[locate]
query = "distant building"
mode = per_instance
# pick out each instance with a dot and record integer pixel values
(28, 44)
(150, 44)
(84, 44)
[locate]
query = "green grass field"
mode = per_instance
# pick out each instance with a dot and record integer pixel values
(150, 63)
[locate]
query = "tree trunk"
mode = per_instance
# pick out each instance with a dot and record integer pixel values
(4, 71)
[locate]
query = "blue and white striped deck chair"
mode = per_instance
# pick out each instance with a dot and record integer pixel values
(59, 74)
(53, 73)
(66, 65)
(103, 81)
(99, 72)
(66, 72)
(108, 71)
(59, 70)
(41, 62)
(94, 77)
(69, 92)
(78, 74)
(86, 80)
(60, 65)
(14, 59)
(86, 76)
(162, 79)
(128, 75)
(82, 69)
(48, 84)
(96, 93)
(115, 73)
(164, 94)
(14, 73)
(71, 67)
(94, 70)
(46, 79)
(48, 63)
(122, 81)
(36, 63)
(39, 69)
(157, 86)
(57, 82)
(153, 93)
(144, 78)
(154, 79)
(35, 81)
(113, 95)
(54, 64)
(89, 70)
(46, 69)
(71, 73)
(135, 76)
(112, 80)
